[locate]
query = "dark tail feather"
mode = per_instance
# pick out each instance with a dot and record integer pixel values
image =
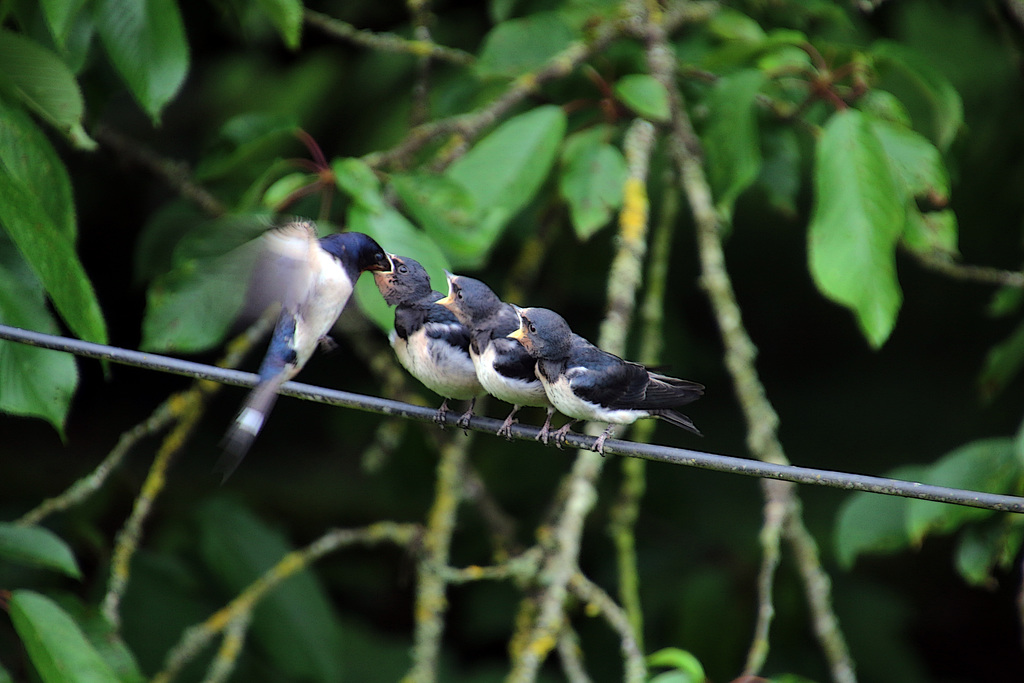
(247, 425)
(676, 418)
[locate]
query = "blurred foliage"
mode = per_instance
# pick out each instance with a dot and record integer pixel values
(865, 156)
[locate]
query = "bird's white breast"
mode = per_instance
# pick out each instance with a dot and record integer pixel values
(444, 369)
(510, 390)
(328, 289)
(563, 398)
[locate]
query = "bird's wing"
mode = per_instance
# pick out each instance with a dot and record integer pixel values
(511, 360)
(606, 379)
(281, 269)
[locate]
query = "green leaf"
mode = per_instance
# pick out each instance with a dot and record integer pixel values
(933, 102)
(52, 257)
(60, 17)
(681, 661)
(730, 24)
(885, 106)
(449, 216)
(275, 198)
(984, 548)
(929, 232)
(36, 382)
(243, 140)
(29, 161)
(504, 171)
(781, 172)
(286, 15)
(916, 163)
(591, 181)
(160, 236)
(191, 307)
(518, 46)
(56, 646)
(855, 225)
(923, 181)
(104, 637)
(1003, 362)
(873, 523)
(37, 547)
(295, 623)
(645, 95)
(397, 236)
(145, 40)
(988, 465)
(356, 179)
(41, 80)
(731, 139)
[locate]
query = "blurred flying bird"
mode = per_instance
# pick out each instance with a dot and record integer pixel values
(313, 280)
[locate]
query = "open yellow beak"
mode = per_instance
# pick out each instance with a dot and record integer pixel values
(447, 301)
(519, 335)
(391, 264)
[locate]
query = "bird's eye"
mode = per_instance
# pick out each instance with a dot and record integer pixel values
(403, 269)
(459, 294)
(533, 328)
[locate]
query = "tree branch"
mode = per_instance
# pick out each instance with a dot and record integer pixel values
(782, 507)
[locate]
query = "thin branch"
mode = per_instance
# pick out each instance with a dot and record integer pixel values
(386, 42)
(665, 454)
(943, 263)
(571, 655)
(467, 127)
(431, 597)
(600, 603)
(175, 173)
(186, 408)
(782, 508)
(624, 276)
(195, 638)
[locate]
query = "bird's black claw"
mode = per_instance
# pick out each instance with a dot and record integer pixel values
(464, 419)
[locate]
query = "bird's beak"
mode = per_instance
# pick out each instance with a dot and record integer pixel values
(448, 300)
(384, 270)
(519, 335)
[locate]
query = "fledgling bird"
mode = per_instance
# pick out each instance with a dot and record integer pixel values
(313, 279)
(585, 383)
(428, 339)
(503, 366)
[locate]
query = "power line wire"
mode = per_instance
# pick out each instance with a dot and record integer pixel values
(667, 454)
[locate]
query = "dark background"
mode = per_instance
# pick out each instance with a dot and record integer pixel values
(843, 406)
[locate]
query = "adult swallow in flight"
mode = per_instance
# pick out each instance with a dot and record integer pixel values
(585, 383)
(503, 366)
(314, 279)
(428, 339)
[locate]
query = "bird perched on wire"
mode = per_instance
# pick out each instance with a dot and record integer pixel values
(313, 280)
(585, 383)
(428, 339)
(503, 366)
